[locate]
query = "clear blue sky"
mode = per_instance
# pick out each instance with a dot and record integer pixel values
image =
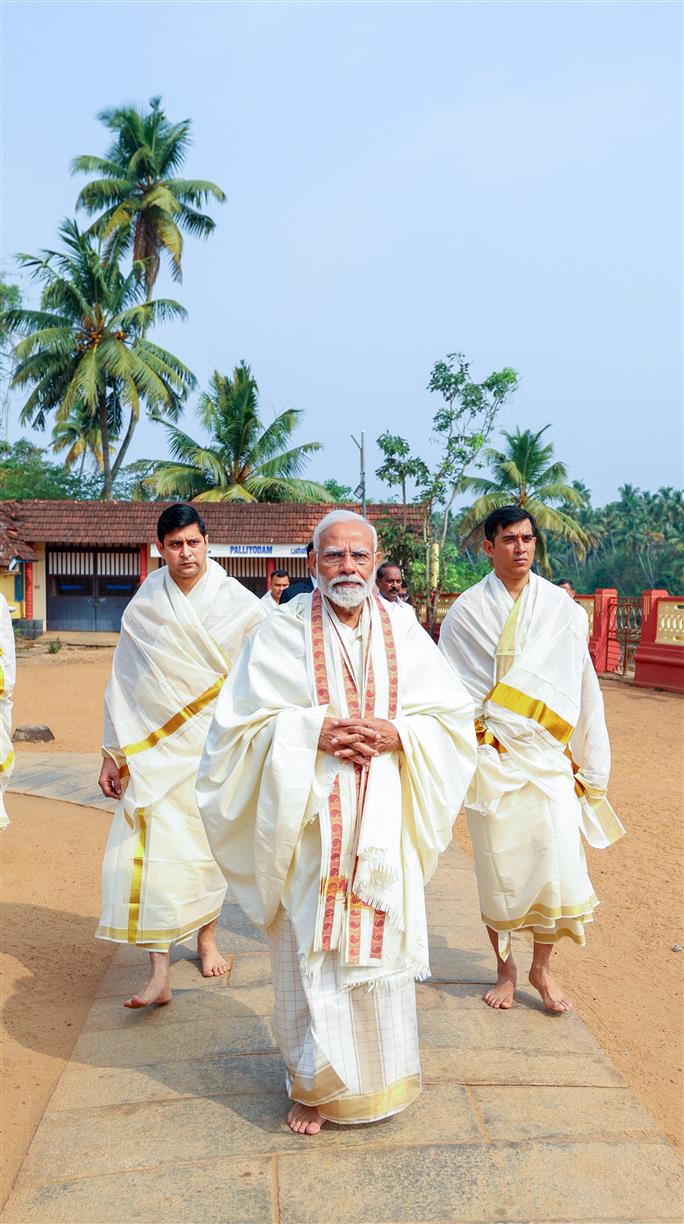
(403, 180)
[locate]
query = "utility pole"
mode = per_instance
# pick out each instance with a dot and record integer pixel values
(360, 490)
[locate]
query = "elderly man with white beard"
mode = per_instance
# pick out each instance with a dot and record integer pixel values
(339, 755)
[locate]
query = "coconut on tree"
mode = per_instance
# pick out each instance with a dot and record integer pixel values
(527, 475)
(143, 205)
(243, 459)
(85, 348)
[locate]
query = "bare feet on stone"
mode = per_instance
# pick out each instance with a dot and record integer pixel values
(554, 999)
(157, 991)
(502, 994)
(158, 988)
(305, 1119)
(214, 964)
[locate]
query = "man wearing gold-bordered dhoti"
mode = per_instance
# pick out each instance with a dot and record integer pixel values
(520, 647)
(180, 635)
(338, 758)
(8, 669)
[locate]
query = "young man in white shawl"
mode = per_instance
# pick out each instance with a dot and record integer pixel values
(336, 763)
(520, 647)
(8, 669)
(180, 635)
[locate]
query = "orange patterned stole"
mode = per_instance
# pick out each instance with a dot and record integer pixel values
(336, 890)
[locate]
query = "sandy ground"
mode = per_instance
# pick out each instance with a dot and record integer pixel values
(65, 692)
(626, 983)
(51, 964)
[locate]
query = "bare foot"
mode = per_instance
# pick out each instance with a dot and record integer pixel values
(304, 1119)
(502, 994)
(157, 991)
(553, 998)
(213, 963)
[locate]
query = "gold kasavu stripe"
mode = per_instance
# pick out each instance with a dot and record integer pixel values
(372, 1106)
(544, 913)
(7, 763)
(150, 936)
(136, 879)
(177, 720)
(530, 707)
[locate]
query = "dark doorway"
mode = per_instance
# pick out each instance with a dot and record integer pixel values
(88, 588)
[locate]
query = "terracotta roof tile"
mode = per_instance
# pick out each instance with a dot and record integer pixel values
(90, 522)
(12, 542)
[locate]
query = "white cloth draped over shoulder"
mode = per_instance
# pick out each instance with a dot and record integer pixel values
(543, 745)
(346, 852)
(159, 881)
(7, 679)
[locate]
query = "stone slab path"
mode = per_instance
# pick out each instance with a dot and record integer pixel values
(60, 775)
(178, 1114)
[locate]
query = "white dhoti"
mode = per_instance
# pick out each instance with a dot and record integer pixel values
(160, 882)
(7, 678)
(543, 757)
(353, 1053)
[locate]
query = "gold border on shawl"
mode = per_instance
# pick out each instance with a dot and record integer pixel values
(136, 879)
(8, 762)
(177, 720)
(529, 707)
(170, 934)
(373, 1106)
(544, 912)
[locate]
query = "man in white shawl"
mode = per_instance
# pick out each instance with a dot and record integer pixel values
(338, 758)
(7, 677)
(180, 635)
(520, 647)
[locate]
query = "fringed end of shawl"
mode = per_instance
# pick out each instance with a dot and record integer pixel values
(378, 863)
(418, 972)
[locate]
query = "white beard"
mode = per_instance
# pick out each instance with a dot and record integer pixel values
(346, 596)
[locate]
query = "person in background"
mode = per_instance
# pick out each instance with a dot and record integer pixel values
(307, 585)
(389, 581)
(280, 581)
(566, 585)
(404, 592)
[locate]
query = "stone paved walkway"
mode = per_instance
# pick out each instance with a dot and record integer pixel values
(177, 1114)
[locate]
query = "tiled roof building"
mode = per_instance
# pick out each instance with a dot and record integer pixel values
(86, 559)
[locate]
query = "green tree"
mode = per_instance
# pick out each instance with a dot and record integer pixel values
(143, 206)
(337, 491)
(25, 472)
(79, 435)
(527, 475)
(244, 460)
(461, 426)
(85, 348)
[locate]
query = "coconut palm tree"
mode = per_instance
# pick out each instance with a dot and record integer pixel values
(243, 461)
(85, 348)
(527, 475)
(79, 435)
(143, 206)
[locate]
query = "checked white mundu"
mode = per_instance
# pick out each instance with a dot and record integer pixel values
(330, 858)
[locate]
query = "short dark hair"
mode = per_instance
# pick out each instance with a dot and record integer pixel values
(565, 582)
(385, 566)
(309, 548)
(280, 574)
(504, 516)
(174, 518)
